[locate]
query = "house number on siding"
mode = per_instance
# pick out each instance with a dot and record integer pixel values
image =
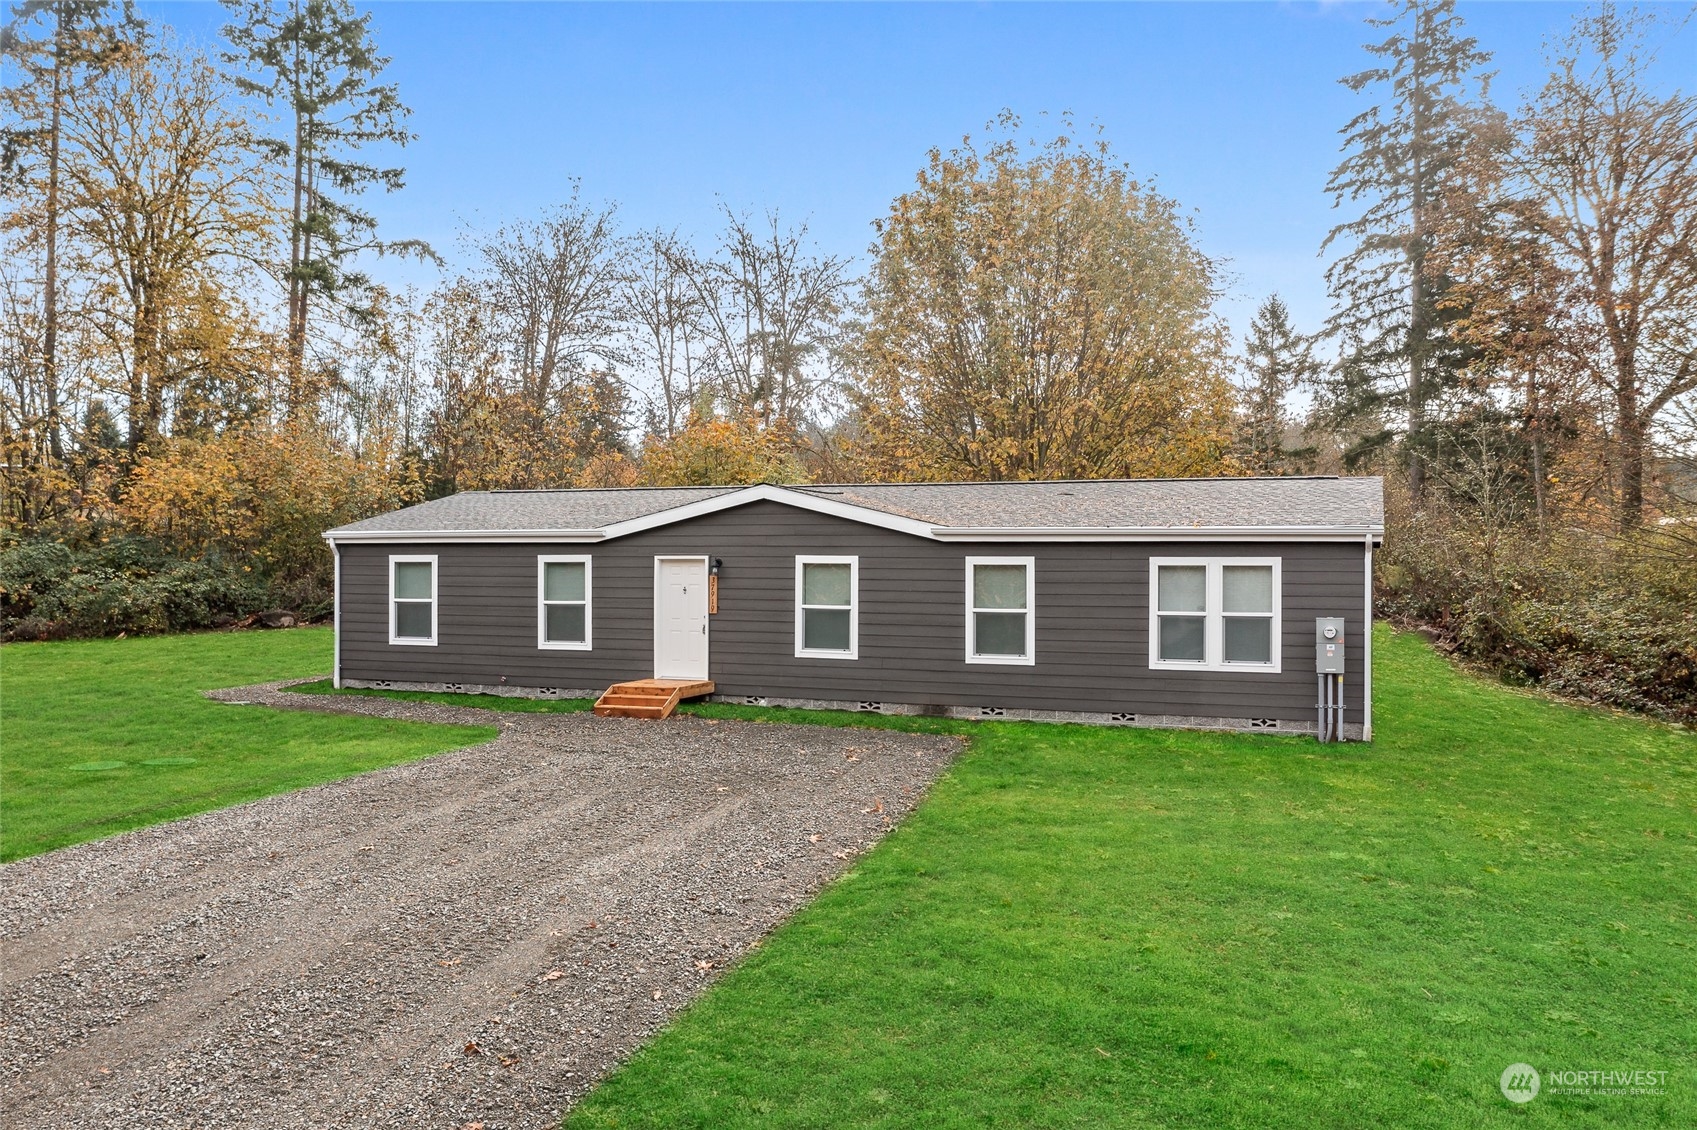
(712, 596)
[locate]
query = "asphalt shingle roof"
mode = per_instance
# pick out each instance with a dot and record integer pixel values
(1271, 503)
(497, 510)
(1128, 503)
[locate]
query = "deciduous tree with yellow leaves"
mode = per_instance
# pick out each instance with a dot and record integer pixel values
(1034, 312)
(724, 450)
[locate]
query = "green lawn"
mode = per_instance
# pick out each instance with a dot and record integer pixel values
(100, 736)
(1081, 927)
(1090, 927)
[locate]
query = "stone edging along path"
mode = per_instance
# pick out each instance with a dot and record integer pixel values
(476, 937)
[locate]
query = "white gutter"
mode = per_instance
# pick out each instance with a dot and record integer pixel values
(1155, 533)
(404, 536)
(336, 620)
(1367, 650)
(934, 533)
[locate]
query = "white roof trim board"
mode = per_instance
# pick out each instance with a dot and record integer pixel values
(1364, 520)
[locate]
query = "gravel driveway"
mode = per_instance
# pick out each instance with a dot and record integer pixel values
(473, 938)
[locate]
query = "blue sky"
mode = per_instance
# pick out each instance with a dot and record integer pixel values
(826, 111)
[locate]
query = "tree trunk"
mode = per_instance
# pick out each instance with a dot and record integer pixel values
(1630, 427)
(1535, 426)
(301, 393)
(297, 287)
(1621, 326)
(1417, 285)
(136, 410)
(1416, 386)
(50, 285)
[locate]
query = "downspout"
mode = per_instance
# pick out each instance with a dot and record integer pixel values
(1367, 646)
(336, 616)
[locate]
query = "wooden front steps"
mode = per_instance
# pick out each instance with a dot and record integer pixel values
(649, 698)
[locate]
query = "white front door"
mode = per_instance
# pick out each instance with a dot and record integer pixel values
(680, 618)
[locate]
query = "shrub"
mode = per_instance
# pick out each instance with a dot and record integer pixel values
(49, 591)
(1598, 617)
(264, 495)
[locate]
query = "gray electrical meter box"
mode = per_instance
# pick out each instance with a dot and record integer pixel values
(1328, 645)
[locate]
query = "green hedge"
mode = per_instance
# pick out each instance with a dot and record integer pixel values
(49, 590)
(1604, 619)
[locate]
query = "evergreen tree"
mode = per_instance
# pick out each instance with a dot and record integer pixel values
(317, 59)
(1398, 156)
(99, 440)
(1277, 360)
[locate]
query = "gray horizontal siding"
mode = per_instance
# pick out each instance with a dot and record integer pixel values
(1092, 619)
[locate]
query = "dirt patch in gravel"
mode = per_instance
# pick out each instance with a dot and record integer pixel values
(476, 937)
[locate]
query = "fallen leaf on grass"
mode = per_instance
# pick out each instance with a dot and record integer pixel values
(814, 838)
(877, 806)
(1103, 1054)
(471, 1048)
(704, 965)
(553, 975)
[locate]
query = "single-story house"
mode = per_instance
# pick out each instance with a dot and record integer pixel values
(1179, 602)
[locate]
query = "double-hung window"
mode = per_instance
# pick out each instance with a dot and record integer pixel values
(1001, 616)
(412, 600)
(562, 593)
(827, 607)
(1214, 613)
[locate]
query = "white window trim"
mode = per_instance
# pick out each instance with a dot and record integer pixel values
(542, 602)
(801, 650)
(1029, 659)
(435, 577)
(1213, 614)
